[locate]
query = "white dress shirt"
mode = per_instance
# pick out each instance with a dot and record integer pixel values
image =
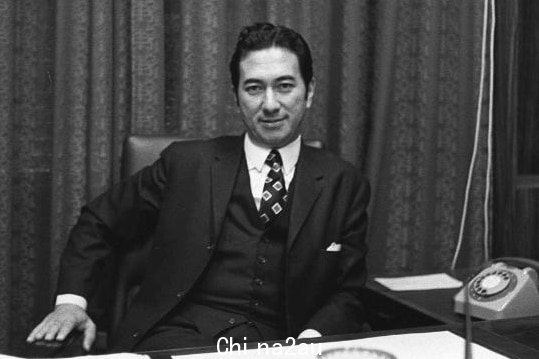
(256, 155)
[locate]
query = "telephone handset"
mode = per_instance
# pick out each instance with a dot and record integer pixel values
(506, 289)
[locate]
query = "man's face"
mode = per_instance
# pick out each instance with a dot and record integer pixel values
(272, 96)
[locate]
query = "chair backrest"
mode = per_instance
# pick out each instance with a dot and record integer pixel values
(140, 151)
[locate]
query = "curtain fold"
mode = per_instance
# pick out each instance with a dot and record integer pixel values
(396, 94)
(83, 113)
(148, 66)
(26, 62)
(7, 11)
(426, 64)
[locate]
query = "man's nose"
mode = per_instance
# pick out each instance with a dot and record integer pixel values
(271, 104)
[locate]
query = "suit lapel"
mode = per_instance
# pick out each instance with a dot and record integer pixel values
(309, 182)
(224, 169)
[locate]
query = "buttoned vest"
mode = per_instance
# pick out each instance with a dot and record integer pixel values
(245, 278)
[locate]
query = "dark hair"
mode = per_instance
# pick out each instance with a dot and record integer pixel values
(265, 35)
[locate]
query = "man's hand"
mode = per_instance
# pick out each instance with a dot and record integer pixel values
(58, 324)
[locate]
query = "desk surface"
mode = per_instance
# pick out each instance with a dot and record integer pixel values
(521, 330)
(436, 304)
(496, 335)
(428, 311)
(435, 307)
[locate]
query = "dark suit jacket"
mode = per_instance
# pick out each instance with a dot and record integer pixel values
(183, 198)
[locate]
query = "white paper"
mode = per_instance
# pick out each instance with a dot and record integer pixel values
(439, 345)
(115, 356)
(104, 356)
(420, 282)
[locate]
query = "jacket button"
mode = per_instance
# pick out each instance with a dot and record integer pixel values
(135, 335)
(180, 295)
(259, 281)
(210, 247)
(262, 260)
(232, 321)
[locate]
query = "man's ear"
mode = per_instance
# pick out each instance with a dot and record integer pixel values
(310, 92)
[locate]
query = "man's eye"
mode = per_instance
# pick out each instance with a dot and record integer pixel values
(253, 90)
(285, 87)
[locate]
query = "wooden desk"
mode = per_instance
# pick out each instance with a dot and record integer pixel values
(389, 309)
(410, 309)
(496, 337)
(426, 311)
(522, 330)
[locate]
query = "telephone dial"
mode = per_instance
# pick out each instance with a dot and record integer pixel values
(506, 289)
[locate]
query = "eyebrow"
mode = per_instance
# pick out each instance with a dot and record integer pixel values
(278, 79)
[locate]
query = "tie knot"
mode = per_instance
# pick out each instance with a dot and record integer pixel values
(274, 160)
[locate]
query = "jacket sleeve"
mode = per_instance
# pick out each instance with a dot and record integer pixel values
(125, 213)
(343, 312)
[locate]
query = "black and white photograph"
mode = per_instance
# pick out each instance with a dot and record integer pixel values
(309, 179)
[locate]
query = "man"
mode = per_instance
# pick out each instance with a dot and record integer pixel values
(256, 237)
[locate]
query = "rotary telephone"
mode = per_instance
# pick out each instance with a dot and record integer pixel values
(506, 289)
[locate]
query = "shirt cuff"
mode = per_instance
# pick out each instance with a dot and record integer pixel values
(309, 333)
(72, 299)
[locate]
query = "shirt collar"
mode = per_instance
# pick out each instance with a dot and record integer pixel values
(256, 155)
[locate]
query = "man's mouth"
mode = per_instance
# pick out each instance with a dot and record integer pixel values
(272, 120)
(272, 123)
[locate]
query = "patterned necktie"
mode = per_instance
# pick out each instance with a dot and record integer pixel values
(274, 195)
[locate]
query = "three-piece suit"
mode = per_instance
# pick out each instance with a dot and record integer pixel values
(182, 201)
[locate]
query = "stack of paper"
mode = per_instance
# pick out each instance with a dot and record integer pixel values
(420, 282)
